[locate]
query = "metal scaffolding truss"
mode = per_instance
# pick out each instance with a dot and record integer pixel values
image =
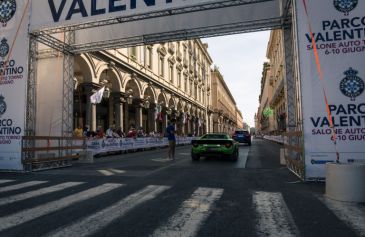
(69, 48)
(47, 36)
(153, 14)
(230, 29)
(68, 87)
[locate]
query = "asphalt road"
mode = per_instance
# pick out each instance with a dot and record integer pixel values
(142, 194)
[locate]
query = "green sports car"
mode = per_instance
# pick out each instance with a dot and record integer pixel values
(213, 144)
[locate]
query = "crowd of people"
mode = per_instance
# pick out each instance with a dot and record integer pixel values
(113, 132)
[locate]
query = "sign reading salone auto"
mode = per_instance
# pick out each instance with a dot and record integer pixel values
(335, 72)
(14, 20)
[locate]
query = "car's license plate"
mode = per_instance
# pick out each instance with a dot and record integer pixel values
(240, 135)
(211, 149)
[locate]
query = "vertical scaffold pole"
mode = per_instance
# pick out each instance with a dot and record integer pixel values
(290, 87)
(30, 119)
(68, 87)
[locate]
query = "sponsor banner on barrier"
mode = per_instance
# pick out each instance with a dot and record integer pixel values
(14, 21)
(122, 144)
(339, 43)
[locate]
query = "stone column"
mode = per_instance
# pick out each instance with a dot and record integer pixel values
(111, 114)
(119, 110)
(90, 108)
(151, 119)
(138, 117)
(189, 124)
(93, 117)
(126, 118)
(165, 122)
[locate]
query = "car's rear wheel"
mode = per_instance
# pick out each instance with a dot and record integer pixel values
(249, 143)
(234, 157)
(195, 157)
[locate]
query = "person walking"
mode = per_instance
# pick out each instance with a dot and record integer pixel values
(170, 131)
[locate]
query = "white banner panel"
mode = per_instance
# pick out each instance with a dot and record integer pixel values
(187, 21)
(339, 32)
(14, 17)
(54, 13)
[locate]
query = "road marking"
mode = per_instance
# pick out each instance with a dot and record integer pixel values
(3, 181)
(106, 172)
(191, 214)
(32, 213)
(38, 192)
(97, 221)
(350, 213)
(117, 171)
(242, 158)
(274, 217)
(161, 160)
(173, 163)
(22, 185)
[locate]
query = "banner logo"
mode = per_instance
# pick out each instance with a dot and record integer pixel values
(345, 6)
(4, 48)
(2, 105)
(7, 10)
(352, 86)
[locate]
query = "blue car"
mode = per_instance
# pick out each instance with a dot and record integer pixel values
(242, 136)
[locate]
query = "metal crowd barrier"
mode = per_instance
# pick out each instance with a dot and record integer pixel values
(42, 152)
(293, 151)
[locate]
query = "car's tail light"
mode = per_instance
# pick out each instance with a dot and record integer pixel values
(195, 144)
(228, 145)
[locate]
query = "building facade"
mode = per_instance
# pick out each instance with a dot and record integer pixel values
(264, 117)
(275, 54)
(273, 92)
(145, 86)
(224, 113)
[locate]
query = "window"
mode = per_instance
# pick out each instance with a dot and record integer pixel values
(186, 83)
(179, 78)
(185, 54)
(196, 92)
(148, 57)
(161, 66)
(171, 73)
(133, 53)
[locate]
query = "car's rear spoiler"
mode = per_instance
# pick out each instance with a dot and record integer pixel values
(211, 141)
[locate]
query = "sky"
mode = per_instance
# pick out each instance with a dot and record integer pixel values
(240, 60)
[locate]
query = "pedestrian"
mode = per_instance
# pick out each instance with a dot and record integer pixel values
(170, 131)
(132, 133)
(78, 131)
